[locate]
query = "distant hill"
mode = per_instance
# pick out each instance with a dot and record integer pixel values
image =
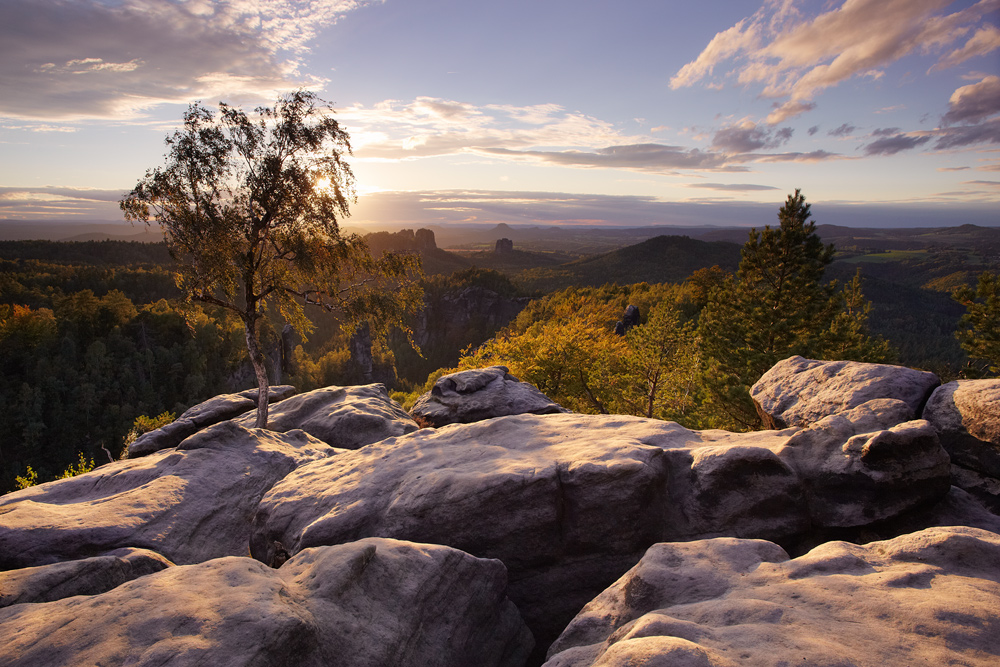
(658, 260)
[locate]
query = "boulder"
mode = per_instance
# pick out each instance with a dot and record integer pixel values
(966, 414)
(190, 503)
(925, 598)
(569, 502)
(342, 417)
(482, 393)
(87, 576)
(367, 604)
(800, 392)
(194, 419)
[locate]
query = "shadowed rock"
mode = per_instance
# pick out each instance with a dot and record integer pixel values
(343, 417)
(482, 393)
(190, 503)
(369, 604)
(800, 392)
(925, 598)
(88, 576)
(966, 414)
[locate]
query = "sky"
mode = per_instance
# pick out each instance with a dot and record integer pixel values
(635, 112)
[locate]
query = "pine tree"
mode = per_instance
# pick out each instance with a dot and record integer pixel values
(979, 328)
(774, 308)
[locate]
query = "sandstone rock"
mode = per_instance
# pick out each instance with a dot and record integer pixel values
(482, 393)
(369, 604)
(569, 502)
(88, 576)
(344, 417)
(966, 414)
(194, 419)
(190, 503)
(799, 392)
(925, 598)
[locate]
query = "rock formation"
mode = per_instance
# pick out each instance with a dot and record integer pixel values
(743, 602)
(399, 546)
(966, 414)
(203, 415)
(367, 604)
(798, 392)
(343, 417)
(567, 501)
(504, 246)
(630, 318)
(190, 503)
(483, 393)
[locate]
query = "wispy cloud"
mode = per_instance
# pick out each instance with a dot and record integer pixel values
(793, 59)
(52, 201)
(429, 127)
(96, 59)
(890, 144)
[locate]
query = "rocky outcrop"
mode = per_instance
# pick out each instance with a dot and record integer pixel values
(342, 417)
(800, 392)
(482, 393)
(569, 502)
(203, 415)
(925, 598)
(372, 603)
(966, 414)
(87, 576)
(630, 318)
(190, 503)
(504, 246)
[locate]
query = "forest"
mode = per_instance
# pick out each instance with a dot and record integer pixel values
(97, 343)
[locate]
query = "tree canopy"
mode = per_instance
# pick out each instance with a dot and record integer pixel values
(979, 328)
(250, 206)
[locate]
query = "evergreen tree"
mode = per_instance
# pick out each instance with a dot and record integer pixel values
(776, 307)
(979, 328)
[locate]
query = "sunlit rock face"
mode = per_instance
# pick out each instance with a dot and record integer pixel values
(189, 503)
(569, 502)
(966, 414)
(478, 394)
(343, 417)
(87, 576)
(800, 392)
(373, 603)
(925, 598)
(201, 416)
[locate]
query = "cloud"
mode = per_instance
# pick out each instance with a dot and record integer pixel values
(813, 130)
(642, 157)
(985, 40)
(67, 60)
(66, 202)
(895, 143)
(731, 187)
(844, 130)
(747, 136)
(974, 102)
(794, 60)
(987, 132)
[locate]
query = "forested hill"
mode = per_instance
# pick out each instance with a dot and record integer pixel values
(662, 259)
(116, 253)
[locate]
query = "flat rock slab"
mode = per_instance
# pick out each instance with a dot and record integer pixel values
(88, 576)
(568, 502)
(799, 392)
(343, 417)
(482, 393)
(190, 503)
(369, 604)
(203, 415)
(966, 414)
(928, 598)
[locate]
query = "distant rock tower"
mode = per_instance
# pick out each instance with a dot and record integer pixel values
(425, 240)
(504, 246)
